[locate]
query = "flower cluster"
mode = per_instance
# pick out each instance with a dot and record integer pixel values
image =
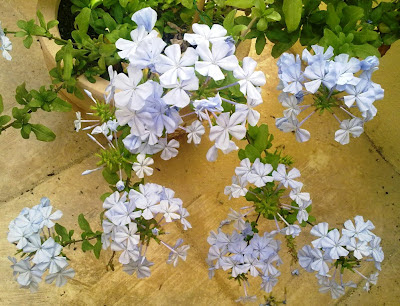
(162, 80)
(270, 184)
(357, 244)
(32, 233)
(341, 83)
(244, 252)
(132, 220)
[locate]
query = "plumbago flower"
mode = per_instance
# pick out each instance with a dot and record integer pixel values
(265, 179)
(145, 104)
(36, 238)
(348, 250)
(5, 45)
(339, 85)
(132, 219)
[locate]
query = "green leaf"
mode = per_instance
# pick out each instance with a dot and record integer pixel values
(97, 248)
(187, 3)
(110, 177)
(68, 62)
(1, 104)
(62, 231)
(260, 43)
(229, 21)
(22, 24)
(362, 51)
(332, 19)
(252, 153)
(86, 246)
(351, 15)
(60, 105)
(242, 4)
(26, 131)
(52, 23)
(105, 195)
(242, 154)
(4, 119)
(43, 133)
(28, 41)
(84, 224)
(41, 19)
(292, 12)
(261, 142)
(123, 3)
(83, 19)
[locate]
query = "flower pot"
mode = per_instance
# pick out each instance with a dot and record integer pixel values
(49, 9)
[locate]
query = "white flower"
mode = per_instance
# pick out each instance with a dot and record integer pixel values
(334, 244)
(237, 189)
(306, 258)
(319, 230)
(149, 204)
(347, 127)
(269, 281)
(292, 107)
(212, 61)
(287, 179)
(49, 217)
(228, 125)
(212, 153)
(178, 96)
(173, 65)
(120, 185)
(334, 288)
(360, 230)
(110, 89)
(319, 262)
(195, 130)
(179, 252)
(302, 214)
(293, 125)
(114, 199)
(237, 217)
(141, 267)
(127, 235)
(27, 273)
(19, 235)
(259, 173)
(141, 167)
(127, 254)
(61, 277)
(168, 150)
(5, 45)
(298, 196)
(203, 34)
(129, 47)
(169, 210)
(244, 171)
(248, 78)
(43, 251)
(131, 94)
(148, 54)
(252, 116)
(122, 213)
(291, 230)
(145, 17)
(360, 248)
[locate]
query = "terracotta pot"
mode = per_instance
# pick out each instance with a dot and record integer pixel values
(49, 9)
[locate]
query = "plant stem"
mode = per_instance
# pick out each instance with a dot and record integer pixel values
(247, 30)
(200, 6)
(79, 240)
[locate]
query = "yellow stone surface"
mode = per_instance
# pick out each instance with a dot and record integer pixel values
(361, 178)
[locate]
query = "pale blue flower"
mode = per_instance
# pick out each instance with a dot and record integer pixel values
(145, 17)
(290, 73)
